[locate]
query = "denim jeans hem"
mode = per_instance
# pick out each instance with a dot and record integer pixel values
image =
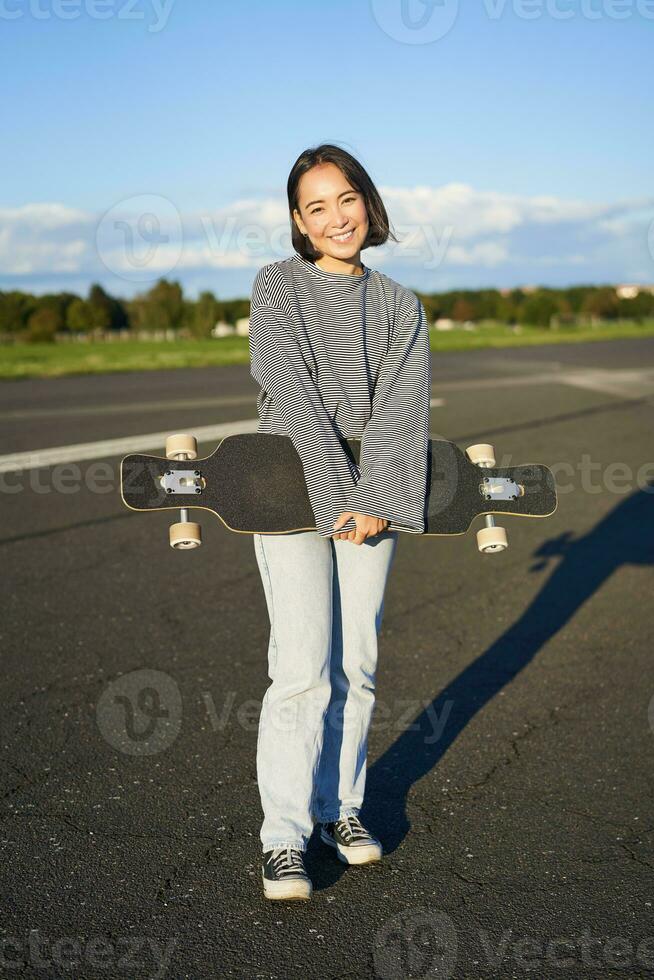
(298, 845)
(351, 811)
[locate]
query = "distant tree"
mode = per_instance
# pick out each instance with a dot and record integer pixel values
(108, 313)
(100, 308)
(505, 311)
(641, 306)
(80, 316)
(538, 308)
(432, 307)
(58, 303)
(15, 310)
(232, 310)
(205, 313)
(463, 310)
(603, 303)
(42, 325)
(161, 308)
(576, 296)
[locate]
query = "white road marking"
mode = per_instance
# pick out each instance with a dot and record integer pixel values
(624, 384)
(514, 364)
(124, 408)
(128, 444)
(118, 447)
(620, 383)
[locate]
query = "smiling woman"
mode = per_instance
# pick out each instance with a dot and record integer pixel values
(341, 351)
(336, 210)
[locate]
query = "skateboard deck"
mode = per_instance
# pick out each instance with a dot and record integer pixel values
(254, 483)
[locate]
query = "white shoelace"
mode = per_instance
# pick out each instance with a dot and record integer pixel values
(352, 828)
(287, 861)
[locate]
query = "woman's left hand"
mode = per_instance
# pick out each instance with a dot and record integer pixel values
(366, 526)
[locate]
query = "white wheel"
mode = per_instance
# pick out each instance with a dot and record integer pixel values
(482, 454)
(181, 443)
(185, 535)
(492, 539)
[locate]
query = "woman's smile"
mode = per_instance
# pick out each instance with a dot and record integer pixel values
(343, 238)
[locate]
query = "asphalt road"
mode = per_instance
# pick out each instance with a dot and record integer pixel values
(510, 759)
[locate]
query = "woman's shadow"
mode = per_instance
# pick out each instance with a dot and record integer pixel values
(624, 536)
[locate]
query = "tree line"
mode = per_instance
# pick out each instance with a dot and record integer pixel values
(30, 318)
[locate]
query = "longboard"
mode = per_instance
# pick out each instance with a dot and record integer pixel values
(254, 483)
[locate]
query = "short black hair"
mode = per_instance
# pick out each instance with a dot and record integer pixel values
(378, 230)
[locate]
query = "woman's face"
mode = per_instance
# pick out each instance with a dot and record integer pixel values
(328, 207)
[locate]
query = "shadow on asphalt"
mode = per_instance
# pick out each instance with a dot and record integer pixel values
(624, 536)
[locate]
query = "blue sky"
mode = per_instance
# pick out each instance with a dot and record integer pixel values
(511, 139)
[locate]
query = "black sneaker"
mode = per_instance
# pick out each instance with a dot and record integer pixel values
(351, 840)
(284, 874)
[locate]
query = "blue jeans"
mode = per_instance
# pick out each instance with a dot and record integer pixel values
(325, 600)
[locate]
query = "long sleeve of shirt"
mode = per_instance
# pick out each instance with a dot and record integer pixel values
(345, 356)
(395, 442)
(278, 365)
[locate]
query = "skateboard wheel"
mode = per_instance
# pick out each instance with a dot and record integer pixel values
(181, 443)
(185, 535)
(492, 539)
(482, 454)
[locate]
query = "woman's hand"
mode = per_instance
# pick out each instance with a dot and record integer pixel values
(367, 526)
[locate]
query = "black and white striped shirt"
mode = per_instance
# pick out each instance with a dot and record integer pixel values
(338, 357)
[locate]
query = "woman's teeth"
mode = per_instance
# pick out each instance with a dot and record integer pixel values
(343, 238)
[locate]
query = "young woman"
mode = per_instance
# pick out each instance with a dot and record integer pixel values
(340, 351)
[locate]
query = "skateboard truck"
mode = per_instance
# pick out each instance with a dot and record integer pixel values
(500, 488)
(492, 538)
(182, 481)
(184, 534)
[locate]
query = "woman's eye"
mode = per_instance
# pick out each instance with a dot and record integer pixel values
(347, 200)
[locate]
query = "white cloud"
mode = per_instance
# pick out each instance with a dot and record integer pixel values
(441, 229)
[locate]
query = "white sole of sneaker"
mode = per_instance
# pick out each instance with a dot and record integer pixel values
(354, 853)
(294, 888)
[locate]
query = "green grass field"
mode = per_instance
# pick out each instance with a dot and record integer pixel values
(55, 360)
